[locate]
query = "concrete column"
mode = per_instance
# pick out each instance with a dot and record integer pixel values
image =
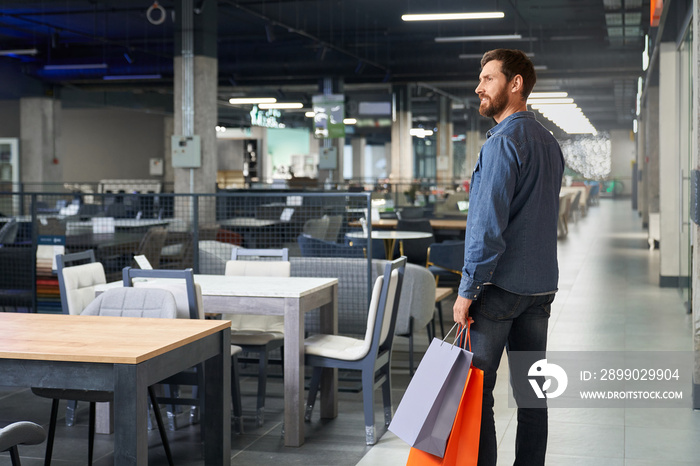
(651, 145)
(168, 131)
(39, 133)
(695, 283)
(669, 166)
(401, 169)
(329, 86)
(195, 45)
(445, 152)
(642, 168)
(205, 118)
(358, 158)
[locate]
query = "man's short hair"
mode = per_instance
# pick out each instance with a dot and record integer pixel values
(514, 62)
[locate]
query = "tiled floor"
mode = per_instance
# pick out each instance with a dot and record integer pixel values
(609, 299)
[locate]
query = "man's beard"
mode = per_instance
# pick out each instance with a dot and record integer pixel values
(494, 106)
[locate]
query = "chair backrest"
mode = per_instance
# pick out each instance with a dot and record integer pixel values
(21, 433)
(187, 293)
(253, 268)
(314, 247)
(76, 283)
(335, 222)
(383, 307)
(416, 250)
(8, 232)
(133, 302)
(316, 227)
(448, 255)
(152, 244)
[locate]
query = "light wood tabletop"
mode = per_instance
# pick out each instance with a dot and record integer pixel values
(115, 340)
(436, 223)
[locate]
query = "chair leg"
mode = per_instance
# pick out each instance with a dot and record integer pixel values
(236, 394)
(172, 391)
(161, 425)
(262, 388)
(368, 402)
(313, 390)
(71, 411)
(442, 326)
(52, 432)
(14, 456)
(386, 396)
(91, 432)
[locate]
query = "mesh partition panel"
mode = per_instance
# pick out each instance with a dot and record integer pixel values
(177, 231)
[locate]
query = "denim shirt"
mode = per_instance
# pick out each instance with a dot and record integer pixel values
(511, 236)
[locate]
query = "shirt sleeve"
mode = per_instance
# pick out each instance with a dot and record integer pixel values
(489, 211)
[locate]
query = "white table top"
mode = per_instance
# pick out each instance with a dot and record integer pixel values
(393, 234)
(248, 222)
(256, 287)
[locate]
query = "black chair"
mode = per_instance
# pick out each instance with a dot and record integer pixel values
(20, 433)
(416, 250)
(445, 260)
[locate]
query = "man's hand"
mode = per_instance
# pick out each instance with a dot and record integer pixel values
(460, 310)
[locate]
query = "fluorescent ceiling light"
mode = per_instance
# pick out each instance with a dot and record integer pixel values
(453, 16)
(479, 38)
(350, 121)
(565, 100)
(252, 100)
(127, 77)
(420, 132)
(18, 52)
(310, 114)
(281, 106)
(547, 95)
(89, 66)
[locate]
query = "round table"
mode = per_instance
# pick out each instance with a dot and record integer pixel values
(390, 237)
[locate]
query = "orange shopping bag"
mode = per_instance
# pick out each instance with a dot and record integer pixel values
(463, 443)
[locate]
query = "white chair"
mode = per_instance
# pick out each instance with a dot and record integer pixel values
(78, 274)
(20, 433)
(256, 333)
(371, 355)
(119, 302)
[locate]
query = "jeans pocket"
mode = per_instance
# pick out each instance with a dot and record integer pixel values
(498, 304)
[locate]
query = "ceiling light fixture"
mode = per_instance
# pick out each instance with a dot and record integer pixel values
(127, 77)
(5, 53)
(567, 116)
(88, 66)
(420, 132)
(310, 114)
(350, 121)
(251, 100)
(479, 38)
(564, 100)
(281, 106)
(547, 95)
(453, 16)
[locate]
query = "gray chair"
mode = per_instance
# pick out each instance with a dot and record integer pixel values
(416, 307)
(20, 433)
(8, 232)
(256, 333)
(119, 302)
(188, 299)
(371, 355)
(416, 250)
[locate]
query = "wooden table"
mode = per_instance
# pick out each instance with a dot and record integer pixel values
(291, 297)
(124, 355)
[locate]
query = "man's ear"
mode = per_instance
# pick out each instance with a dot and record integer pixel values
(516, 84)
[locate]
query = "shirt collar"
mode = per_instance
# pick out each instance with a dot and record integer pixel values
(507, 120)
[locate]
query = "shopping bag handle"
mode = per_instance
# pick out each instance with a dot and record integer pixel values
(459, 333)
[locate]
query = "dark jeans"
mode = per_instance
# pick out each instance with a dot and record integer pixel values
(518, 323)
